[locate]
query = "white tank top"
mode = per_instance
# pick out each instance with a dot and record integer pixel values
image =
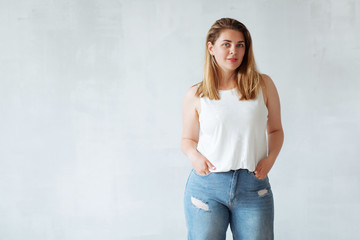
(233, 132)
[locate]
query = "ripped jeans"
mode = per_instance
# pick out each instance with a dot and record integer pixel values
(236, 197)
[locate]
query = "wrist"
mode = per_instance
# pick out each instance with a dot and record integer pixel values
(193, 154)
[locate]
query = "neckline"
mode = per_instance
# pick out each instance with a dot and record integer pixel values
(226, 90)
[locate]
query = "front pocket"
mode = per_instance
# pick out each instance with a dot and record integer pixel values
(201, 175)
(253, 174)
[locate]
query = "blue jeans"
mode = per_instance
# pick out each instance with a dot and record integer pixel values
(237, 197)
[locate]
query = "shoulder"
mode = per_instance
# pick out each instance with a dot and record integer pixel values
(191, 101)
(269, 87)
(272, 96)
(191, 92)
(269, 83)
(190, 98)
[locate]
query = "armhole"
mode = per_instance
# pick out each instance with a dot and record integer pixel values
(201, 108)
(263, 95)
(263, 91)
(196, 99)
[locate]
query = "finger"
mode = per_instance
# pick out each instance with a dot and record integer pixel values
(203, 172)
(262, 177)
(210, 165)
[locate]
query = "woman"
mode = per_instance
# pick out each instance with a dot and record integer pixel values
(232, 108)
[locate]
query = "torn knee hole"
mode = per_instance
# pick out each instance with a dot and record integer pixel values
(199, 204)
(262, 192)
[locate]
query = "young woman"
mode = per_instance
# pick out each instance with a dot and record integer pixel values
(225, 120)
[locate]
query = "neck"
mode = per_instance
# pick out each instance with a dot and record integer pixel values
(227, 80)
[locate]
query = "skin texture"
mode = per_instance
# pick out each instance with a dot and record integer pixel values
(222, 50)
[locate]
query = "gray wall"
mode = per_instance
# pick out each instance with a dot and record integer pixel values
(90, 114)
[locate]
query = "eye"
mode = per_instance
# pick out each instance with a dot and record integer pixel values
(240, 45)
(225, 44)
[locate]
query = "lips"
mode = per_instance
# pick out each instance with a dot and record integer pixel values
(232, 59)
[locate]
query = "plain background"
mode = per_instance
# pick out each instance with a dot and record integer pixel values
(91, 114)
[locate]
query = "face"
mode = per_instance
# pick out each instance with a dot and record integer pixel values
(228, 50)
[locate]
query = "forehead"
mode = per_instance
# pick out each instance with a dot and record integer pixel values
(232, 35)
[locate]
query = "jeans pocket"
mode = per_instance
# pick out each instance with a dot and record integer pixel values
(253, 174)
(201, 175)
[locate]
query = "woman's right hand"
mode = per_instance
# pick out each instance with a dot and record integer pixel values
(201, 164)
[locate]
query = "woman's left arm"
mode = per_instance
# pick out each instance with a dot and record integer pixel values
(274, 129)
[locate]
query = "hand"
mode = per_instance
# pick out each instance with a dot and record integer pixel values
(201, 164)
(263, 168)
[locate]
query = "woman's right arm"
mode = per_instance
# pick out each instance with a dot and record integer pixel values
(190, 133)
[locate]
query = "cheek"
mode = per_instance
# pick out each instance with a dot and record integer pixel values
(241, 51)
(221, 52)
(241, 54)
(220, 56)
(224, 54)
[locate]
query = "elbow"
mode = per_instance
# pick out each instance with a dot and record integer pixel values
(279, 130)
(189, 139)
(279, 133)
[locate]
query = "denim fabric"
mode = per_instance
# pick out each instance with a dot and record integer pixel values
(236, 197)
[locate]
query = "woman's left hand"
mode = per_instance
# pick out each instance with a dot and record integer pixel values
(263, 168)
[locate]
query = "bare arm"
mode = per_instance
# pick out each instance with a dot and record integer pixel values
(190, 133)
(274, 128)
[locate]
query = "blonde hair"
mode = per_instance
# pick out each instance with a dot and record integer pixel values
(249, 79)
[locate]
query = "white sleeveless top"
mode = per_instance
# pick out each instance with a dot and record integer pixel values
(233, 132)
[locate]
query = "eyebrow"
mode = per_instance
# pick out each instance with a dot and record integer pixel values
(230, 41)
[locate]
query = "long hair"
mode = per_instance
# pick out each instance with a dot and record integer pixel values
(249, 79)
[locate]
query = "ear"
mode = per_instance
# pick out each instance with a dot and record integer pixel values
(210, 48)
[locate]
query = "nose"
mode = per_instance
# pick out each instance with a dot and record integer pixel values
(232, 49)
